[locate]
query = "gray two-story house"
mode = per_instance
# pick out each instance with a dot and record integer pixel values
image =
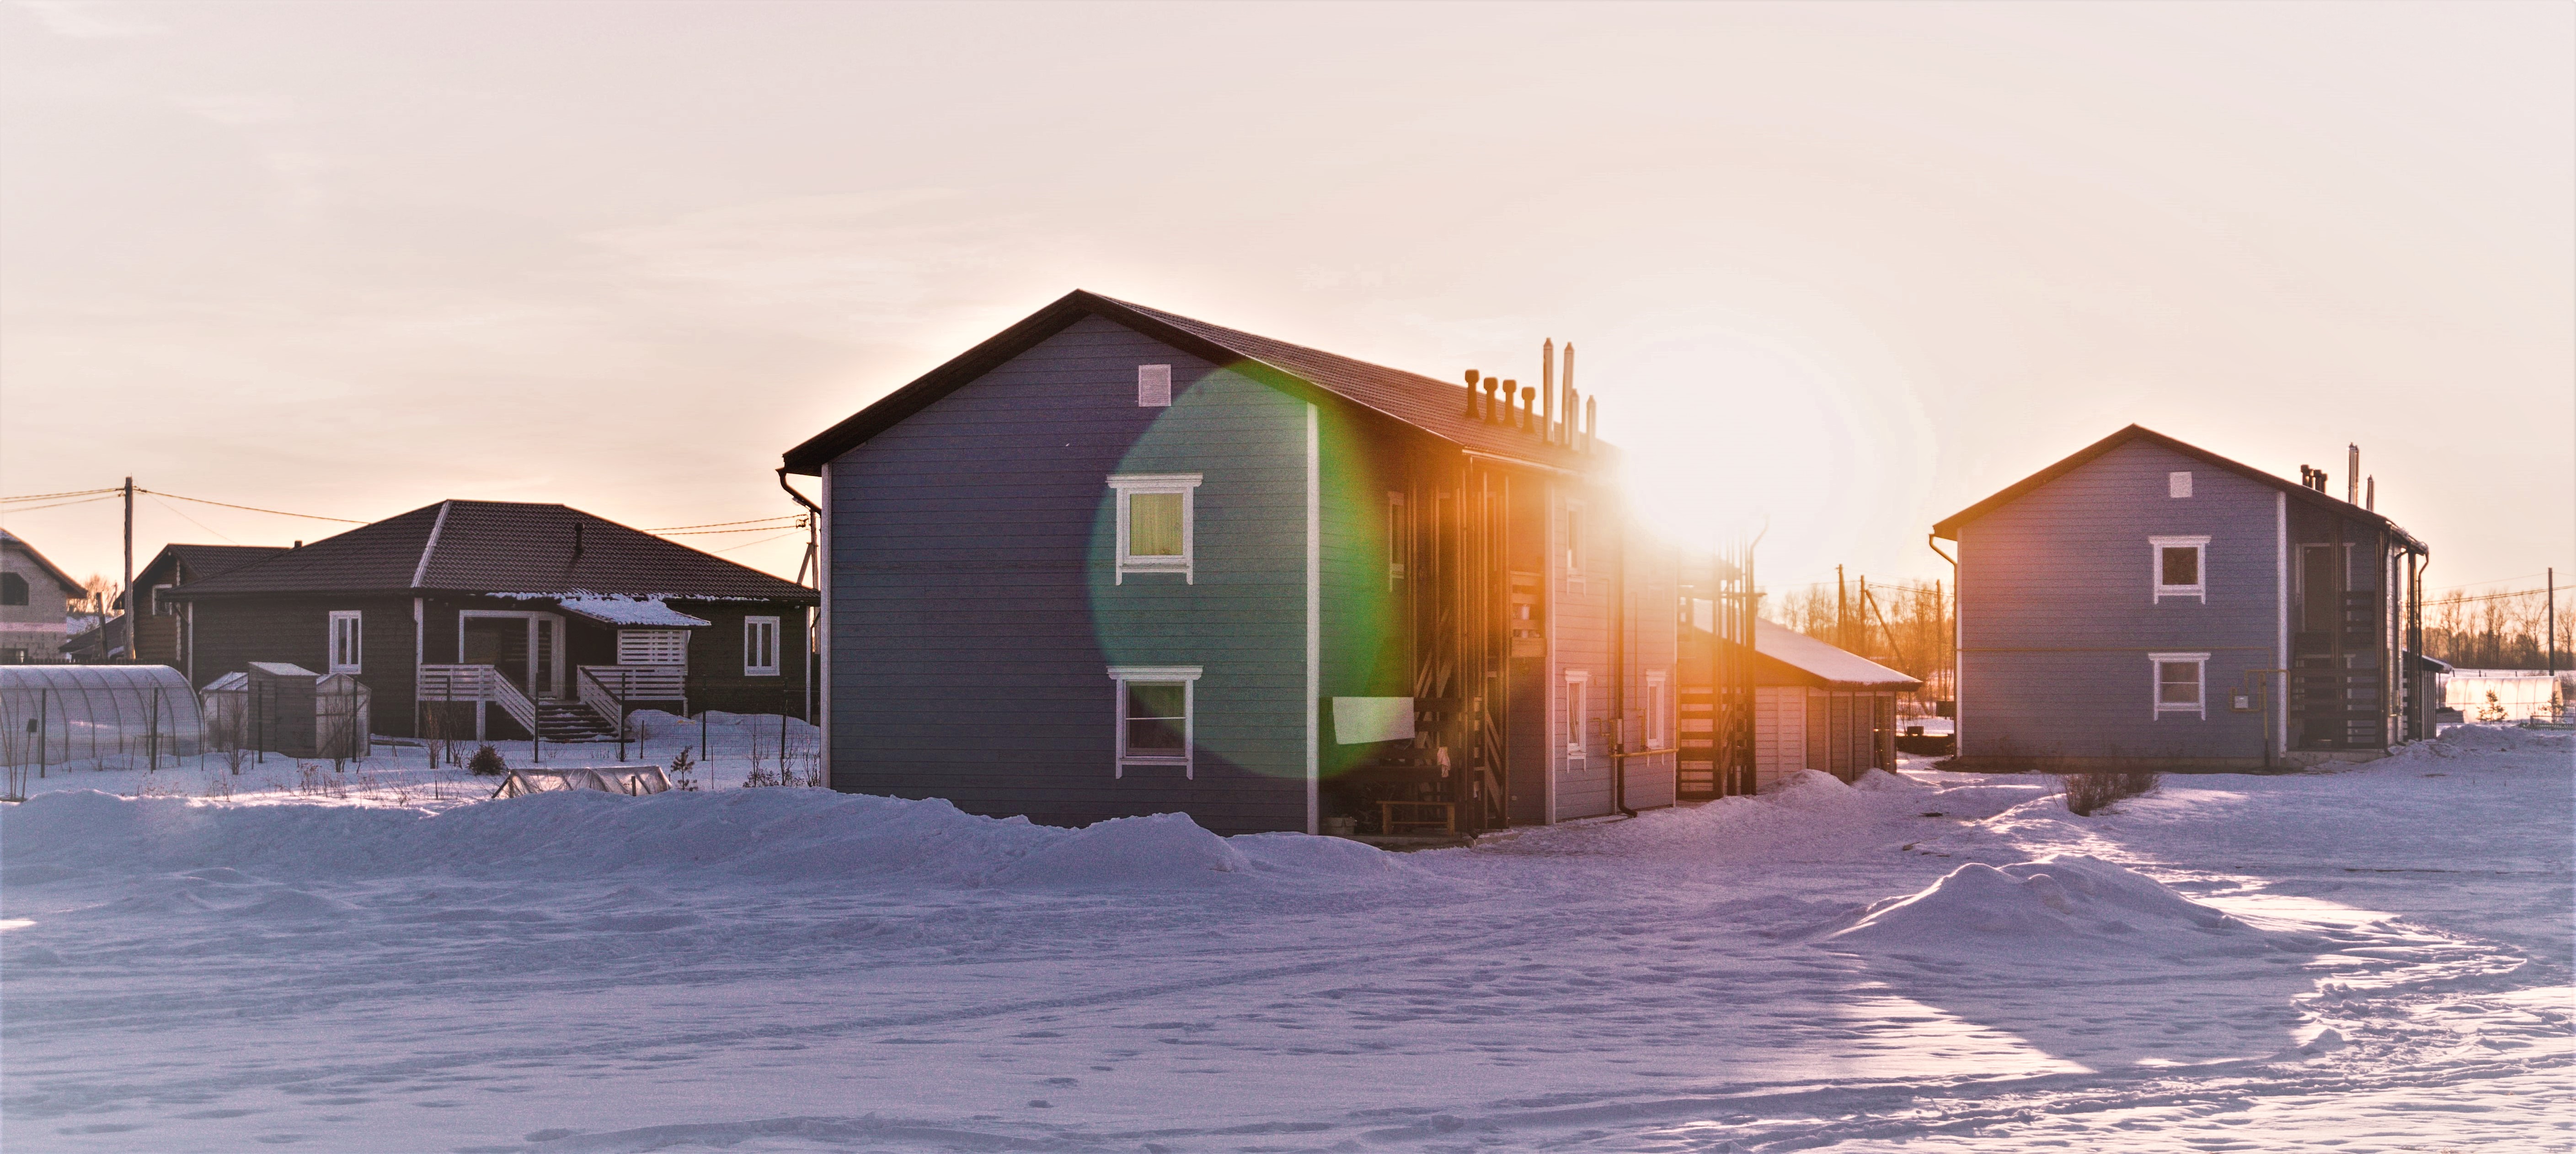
(2146, 600)
(1115, 561)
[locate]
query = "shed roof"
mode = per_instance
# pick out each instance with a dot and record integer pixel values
(499, 547)
(1948, 527)
(1824, 664)
(1436, 407)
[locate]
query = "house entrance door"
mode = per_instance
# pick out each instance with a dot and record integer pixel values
(525, 647)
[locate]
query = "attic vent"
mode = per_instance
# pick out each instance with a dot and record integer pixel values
(1153, 386)
(2178, 484)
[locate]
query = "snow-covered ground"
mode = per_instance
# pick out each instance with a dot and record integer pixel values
(2376, 959)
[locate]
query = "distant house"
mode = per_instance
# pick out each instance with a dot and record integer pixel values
(1820, 707)
(500, 618)
(1116, 561)
(34, 594)
(2146, 598)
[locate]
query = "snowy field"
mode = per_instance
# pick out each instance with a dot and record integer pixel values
(2372, 960)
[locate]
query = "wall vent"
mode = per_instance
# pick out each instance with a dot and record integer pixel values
(2178, 484)
(1154, 386)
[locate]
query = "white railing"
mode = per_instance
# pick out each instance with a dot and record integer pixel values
(609, 689)
(479, 684)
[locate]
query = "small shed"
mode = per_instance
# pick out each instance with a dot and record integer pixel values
(1819, 707)
(283, 708)
(98, 716)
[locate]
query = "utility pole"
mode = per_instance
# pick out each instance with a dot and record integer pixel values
(130, 605)
(2552, 626)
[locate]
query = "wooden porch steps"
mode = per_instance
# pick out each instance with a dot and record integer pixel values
(572, 721)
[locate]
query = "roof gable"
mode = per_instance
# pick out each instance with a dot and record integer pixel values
(1410, 399)
(1822, 663)
(43, 564)
(499, 547)
(1948, 527)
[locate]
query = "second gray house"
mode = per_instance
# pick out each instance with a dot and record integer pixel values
(2146, 600)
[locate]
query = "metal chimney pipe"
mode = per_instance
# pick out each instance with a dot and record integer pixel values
(1511, 414)
(2370, 493)
(1472, 377)
(2352, 475)
(1492, 413)
(1547, 385)
(1591, 421)
(1529, 408)
(1569, 392)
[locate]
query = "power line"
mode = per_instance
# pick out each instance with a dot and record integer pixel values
(798, 523)
(175, 511)
(110, 496)
(720, 524)
(251, 508)
(749, 544)
(50, 496)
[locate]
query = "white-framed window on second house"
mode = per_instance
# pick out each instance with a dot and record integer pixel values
(1156, 533)
(2180, 567)
(2181, 683)
(1578, 714)
(760, 647)
(1157, 716)
(1399, 538)
(1656, 737)
(348, 641)
(1574, 555)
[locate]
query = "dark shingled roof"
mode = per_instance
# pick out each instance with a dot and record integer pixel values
(1436, 407)
(498, 547)
(1948, 527)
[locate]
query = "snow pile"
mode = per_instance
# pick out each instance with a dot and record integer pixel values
(806, 835)
(2486, 741)
(2061, 904)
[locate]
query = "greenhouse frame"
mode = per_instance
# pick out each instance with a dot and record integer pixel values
(97, 717)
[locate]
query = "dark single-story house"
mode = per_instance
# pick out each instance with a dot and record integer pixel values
(1116, 561)
(1820, 707)
(2149, 600)
(502, 618)
(162, 639)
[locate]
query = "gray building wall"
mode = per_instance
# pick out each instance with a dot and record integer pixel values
(974, 607)
(2057, 612)
(36, 627)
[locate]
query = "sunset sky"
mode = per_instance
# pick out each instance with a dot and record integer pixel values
(1846, 267)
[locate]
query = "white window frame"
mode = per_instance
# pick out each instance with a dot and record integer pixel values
(2178, 484)
(1188, 676)
(1127, 485)
(2199, 662)
(355, 628)
(752, 627)
(1398, 539)
(1656, 718)
(1574, 557)
(1153, 386)
(2156, 547)
(1578, 709)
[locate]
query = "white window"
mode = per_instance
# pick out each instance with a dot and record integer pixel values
(1155, 530)
(1656, 738)
(652, 647)
(1574, 542)
(1156, 718)
(760, 647)
(1398, 538)
(347, 641)
(1578, 714)
(2179, 683)
(2178, 484)
(1153, 386)
(2178, 567)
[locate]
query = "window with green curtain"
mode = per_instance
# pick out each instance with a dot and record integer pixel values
(1154, 525)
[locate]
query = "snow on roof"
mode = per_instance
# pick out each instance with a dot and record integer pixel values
(629, 611)
(1824, 662)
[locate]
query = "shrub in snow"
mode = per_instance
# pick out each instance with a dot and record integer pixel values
(487, 762)
(684, 771)
(2090, 791)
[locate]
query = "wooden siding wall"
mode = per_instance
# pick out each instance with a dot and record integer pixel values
(233, 632)
(2057, 613)
(975, 609)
